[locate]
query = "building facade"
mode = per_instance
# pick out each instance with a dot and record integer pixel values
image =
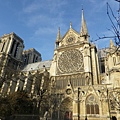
(83, 82)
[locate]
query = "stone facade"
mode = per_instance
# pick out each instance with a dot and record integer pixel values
(83, 81)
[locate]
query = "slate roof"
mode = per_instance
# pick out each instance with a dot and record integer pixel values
(37, 65)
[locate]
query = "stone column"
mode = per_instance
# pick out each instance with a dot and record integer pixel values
(2, 87)
(5, 88)
(3, 47)
(9, 45)
(33, 85)
(13, 87)
(8, 92)
(75, 111)
(21, 84)
(42, 83)
(24, 87)
(17, 86)
(1, 44)
(94, 66)
(29, 85)
(87, 62)
(26, 81)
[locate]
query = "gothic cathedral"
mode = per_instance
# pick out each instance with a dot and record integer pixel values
(83, 82)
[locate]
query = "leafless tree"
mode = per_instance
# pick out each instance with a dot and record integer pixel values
(115, 22)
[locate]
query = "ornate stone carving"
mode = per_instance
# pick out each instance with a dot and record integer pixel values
(70, 39)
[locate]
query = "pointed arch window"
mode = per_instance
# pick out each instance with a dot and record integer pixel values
(92, 106)
(3, 47)
(16, 50)
(12, 47)
(36, 59)
(97, 109)
(88, 108)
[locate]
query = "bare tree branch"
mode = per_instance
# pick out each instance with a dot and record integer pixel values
(115, 26)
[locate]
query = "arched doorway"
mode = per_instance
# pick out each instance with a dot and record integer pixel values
(66, 109)
(114, 118)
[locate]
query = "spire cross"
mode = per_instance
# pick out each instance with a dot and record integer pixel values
(82, 6)
(70, 24)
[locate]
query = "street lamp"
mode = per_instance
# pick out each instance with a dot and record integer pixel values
(78, 103)
(108, 103)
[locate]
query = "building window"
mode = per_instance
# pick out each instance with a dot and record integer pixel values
(88, 109)
(102, 67)
(3, 47)
(92, 109)
(68, 115)
(28, 56)
(97, 109)
(16, 50)
(13, 44)
(36, 59)
(92, 106)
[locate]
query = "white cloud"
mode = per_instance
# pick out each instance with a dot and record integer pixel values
(37, 19)
(43, 13)
(31, 8)
(45, 30)
(48, 5)
(44, 17)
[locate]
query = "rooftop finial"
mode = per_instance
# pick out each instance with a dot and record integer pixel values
(70, 24)
(111, 44)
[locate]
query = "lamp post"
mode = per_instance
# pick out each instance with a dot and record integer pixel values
(59, 103)
(78, 103)
(58, 112)
(108, 103)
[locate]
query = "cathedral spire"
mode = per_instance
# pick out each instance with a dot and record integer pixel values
(83, 30)
(111, 44)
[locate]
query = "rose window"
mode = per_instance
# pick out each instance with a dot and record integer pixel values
(70, 61)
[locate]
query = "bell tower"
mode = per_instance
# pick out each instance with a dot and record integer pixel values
(11, 48)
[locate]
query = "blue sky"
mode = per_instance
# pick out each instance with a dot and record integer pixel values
(37, 21)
